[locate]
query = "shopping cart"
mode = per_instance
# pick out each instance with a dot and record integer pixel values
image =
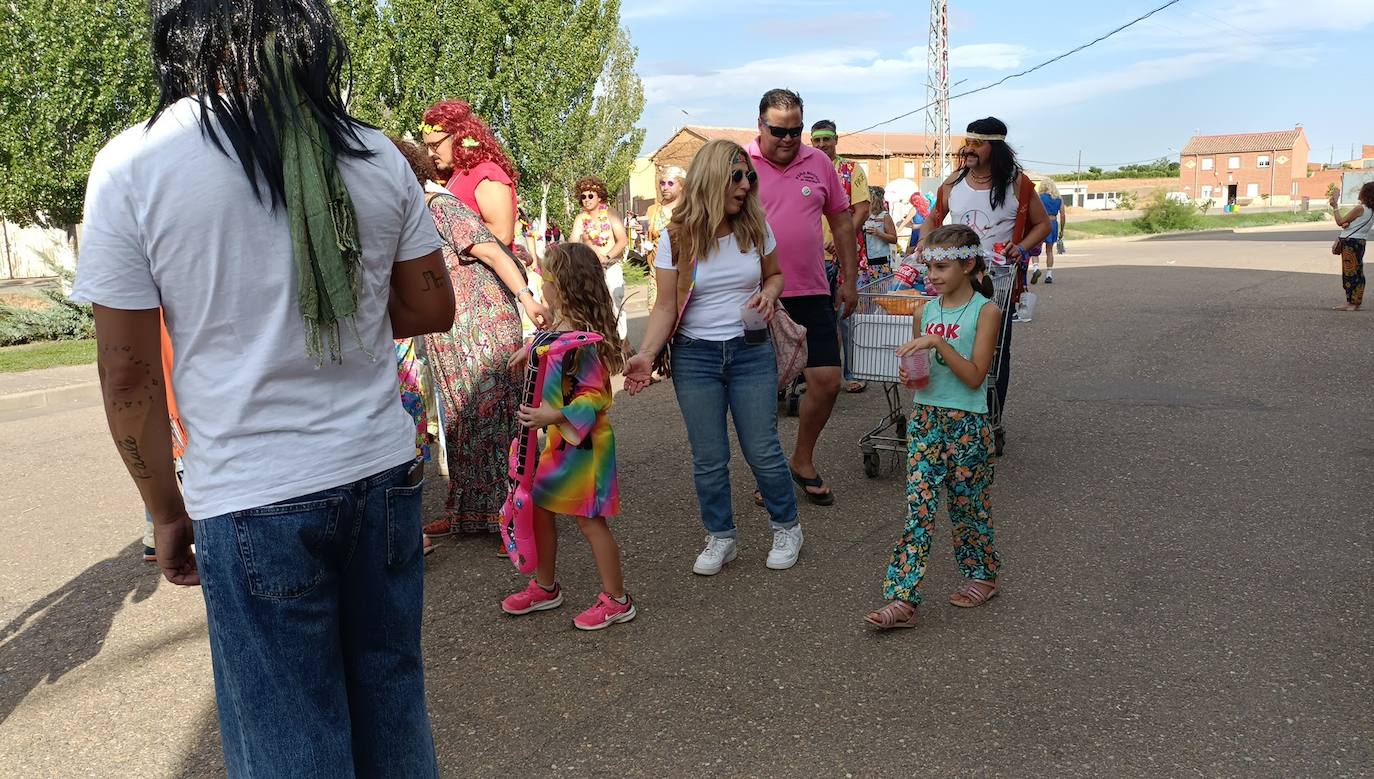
(884, 321)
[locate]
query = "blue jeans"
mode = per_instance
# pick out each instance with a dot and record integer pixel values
(711, 377)
(314, 607)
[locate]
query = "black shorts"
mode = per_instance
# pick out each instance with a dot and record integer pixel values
(817, 314)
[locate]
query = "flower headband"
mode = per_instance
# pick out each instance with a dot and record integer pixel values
(468, 142)
(951, 253)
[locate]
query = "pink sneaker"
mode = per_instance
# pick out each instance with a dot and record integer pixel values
(533, 598)
(605, 612)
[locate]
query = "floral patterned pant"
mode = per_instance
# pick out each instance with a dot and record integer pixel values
(1352, 270)
(951, 448)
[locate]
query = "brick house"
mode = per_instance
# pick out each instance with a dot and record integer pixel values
(887, 158)
(1244, 168)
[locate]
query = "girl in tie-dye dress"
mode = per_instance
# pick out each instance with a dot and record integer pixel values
(576, 473)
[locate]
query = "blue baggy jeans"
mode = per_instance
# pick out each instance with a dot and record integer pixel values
(314, 607)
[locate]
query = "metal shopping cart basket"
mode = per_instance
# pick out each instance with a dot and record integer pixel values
(881, 323)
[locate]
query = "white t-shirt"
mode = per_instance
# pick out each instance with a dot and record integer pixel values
(171, 221)
(973, 207)
(1359, 229)
(725, 281)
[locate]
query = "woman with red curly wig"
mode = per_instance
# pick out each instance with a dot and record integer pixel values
(601, 228)
(472, 165)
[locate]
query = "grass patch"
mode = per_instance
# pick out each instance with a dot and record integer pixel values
(46, 355)
(1115, 228)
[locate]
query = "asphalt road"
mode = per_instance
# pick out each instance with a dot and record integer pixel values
(1183, 514)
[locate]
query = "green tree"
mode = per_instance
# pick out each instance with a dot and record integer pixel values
(368, 27)
(554, 78)
(70, 79)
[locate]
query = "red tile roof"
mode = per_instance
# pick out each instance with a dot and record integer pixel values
(857, 145)
(1279, 140)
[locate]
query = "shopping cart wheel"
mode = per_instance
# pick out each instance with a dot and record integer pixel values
(871, 464)
(999, 441)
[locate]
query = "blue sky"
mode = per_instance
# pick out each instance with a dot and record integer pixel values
(1217, 66)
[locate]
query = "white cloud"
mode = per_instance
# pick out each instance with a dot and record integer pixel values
(854, 71)
(995, 56)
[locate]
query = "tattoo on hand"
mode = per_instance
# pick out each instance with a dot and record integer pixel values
(133, 458)
(433, 281)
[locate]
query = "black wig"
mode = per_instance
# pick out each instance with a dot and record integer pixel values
(222, 52)
(1005, 169)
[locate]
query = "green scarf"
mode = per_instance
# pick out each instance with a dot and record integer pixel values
(324, 226)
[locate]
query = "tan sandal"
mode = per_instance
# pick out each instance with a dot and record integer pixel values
(896, 614)
(974, 593)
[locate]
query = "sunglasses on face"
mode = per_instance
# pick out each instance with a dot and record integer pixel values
(589, 196)
(433, 146)
(668, 183)
(740, 175)
(785, 132)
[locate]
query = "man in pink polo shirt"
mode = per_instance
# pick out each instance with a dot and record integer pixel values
(797, 186)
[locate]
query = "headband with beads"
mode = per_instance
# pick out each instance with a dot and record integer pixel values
(951, 253)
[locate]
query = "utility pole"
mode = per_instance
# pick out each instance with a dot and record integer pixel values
(937, 86)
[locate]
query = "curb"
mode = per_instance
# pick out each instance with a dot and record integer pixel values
(47, 398)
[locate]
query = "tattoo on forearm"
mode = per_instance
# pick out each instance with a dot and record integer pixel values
(433, 281)
(145, 394)
(133, 458)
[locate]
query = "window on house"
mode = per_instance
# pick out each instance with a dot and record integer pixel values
(1252, 190)
(1207, 193)
(927, 170)
(909, 169)
(1233, 163)
(1264, 160)
(1207, 163)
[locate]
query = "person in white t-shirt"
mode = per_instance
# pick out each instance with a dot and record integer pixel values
(718, 285)
(284, 265)
(992, 194)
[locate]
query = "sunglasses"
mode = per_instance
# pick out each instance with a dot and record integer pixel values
(434, 145)
(785, 132)
(740, 175)
(668, 183)
(589, 196)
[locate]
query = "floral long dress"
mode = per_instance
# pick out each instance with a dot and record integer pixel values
(477, 393)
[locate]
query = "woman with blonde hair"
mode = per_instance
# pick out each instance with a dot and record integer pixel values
(717, 269)
(1054, 209)
(670, 185)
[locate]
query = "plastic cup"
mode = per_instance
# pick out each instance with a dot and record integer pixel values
(755, 326)
(917, 368)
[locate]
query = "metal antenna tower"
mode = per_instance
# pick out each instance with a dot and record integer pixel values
(937, 87)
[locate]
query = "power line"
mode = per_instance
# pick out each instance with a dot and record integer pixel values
(1030, 70)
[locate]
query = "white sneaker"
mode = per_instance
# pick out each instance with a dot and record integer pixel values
(787, 545)
(717, 553)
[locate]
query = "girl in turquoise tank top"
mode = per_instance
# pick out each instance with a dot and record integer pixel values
(950, 436)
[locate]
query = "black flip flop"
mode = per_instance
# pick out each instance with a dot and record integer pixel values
(822, 499)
